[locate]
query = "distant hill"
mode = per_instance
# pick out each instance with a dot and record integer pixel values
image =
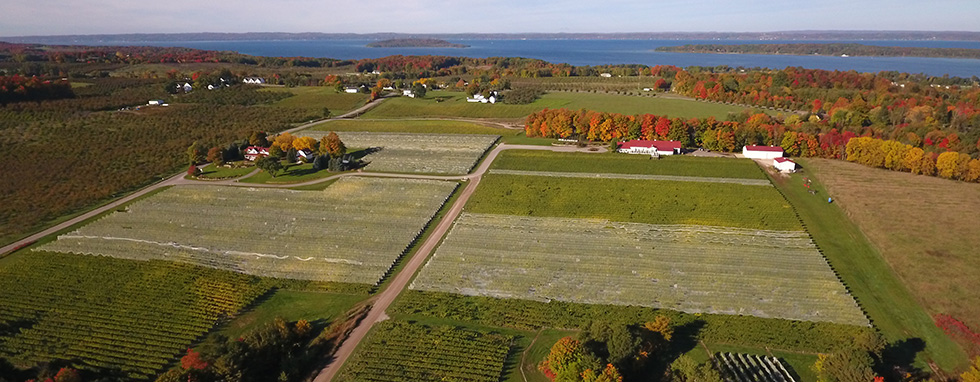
(415, 43)
(843, 50)
(265, 36)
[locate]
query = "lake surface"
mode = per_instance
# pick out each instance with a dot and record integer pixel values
(605, 52)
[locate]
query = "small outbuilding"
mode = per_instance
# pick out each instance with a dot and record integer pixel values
(253, 80)
(655, 148)
(156, 102)
(784, 164)
(350, 90)
(762, 152)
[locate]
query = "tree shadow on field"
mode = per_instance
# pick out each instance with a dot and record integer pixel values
(684, 340)
(899, 356)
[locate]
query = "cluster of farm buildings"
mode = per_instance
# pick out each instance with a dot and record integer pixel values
(662, 148)
(253, 153)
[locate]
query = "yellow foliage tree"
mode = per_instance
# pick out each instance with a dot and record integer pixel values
(661, 325)
(304, 143)
(973, 171)
(946, 165)
(284, 141)
(972, 375)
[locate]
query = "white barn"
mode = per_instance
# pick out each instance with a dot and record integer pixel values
(640, 146)
(784, 164)
(762, 152)
(350, 90)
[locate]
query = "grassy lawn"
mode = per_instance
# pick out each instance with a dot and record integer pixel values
(889, 304)
(453, 104)
(316, 307)
(315, 98)
(538, 351)
(297, 173)
(213, 172)
(627, 164)
(640, 201)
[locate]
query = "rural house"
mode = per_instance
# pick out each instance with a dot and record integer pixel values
(762, 152)
(408, 93)
(304, 154)
(350, 90)
(654, 148)
(784, 164)
(253, 80)
(186, 87)
(255, 152)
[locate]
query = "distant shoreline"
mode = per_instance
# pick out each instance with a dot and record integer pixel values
(415, 43)
(271, 36)
(826, 49)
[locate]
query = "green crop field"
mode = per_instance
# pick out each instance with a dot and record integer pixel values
(213, 172)
(636, 201)
(453, 104)
(695, 269)
(533, 160)
(318, 307)
(353, 231)
(432, 126)
(134, 316)
(315, 98)
(417, 153)
(400, 351)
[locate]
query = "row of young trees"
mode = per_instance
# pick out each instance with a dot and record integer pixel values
(936, 155)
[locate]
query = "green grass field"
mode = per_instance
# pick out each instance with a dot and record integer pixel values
(453, 104)
(889, 304)
(290, 305)
(637, 201)
(296, 173)
(213, 172)
(627, 164)
(315, 98)
(412, 126)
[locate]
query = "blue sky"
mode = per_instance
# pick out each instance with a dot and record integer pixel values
(54, 17)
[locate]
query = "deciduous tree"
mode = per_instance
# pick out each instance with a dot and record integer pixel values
(332, 145)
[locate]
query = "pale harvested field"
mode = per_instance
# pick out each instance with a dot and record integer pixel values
(926, 228)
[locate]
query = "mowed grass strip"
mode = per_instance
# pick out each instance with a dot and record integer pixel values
(922, 227)
(533, 160)
(635, 201)
(315, 98)
(453, 104)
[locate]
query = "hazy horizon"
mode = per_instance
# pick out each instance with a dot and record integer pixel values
(31, 17)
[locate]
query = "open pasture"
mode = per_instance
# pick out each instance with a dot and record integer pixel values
(423, 126)
(533, 160)
(696, 269)
(106, 314)
(352, 232)
(453, 154)
(315, 98)
(637, 201)
(400, 351)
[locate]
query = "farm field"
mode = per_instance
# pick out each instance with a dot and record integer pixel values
(352, 232)
(318, 307)
(453, 154)
(627, 164)
(132, 316)
(891, 304)
(419, 126)
(695, 269)
(674, 178)
(636, 201)
(400, 351)
(315, 98)
(453, 104)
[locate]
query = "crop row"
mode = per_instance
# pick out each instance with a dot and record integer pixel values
(695, 269)
(351, 232)
(105, 313)
(673, 178)
(417, 153)
(752, 368)
(402, 351)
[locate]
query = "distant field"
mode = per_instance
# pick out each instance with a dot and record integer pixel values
(926, 228)
(412, 126)
(352, 232)
(100, 313)
(453, 104)
(400, 351)
(627, 164)
(416, 153)
(695, 269)
(636, 201)
(315, 98)
(891, 306)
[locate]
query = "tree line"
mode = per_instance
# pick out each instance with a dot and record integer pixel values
(23, 89)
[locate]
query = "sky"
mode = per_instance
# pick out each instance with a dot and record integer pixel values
(60, 17)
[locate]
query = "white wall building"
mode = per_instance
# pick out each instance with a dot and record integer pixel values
(253, 80)
(350, 90)
(657, 148)
(762, 152)
(784, 164)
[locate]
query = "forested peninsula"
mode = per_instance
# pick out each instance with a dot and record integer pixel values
(832, 49)
(415, 43)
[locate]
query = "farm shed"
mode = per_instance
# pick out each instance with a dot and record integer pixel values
(350, 90)
(784, 164)
(640, 146)
(762, 152)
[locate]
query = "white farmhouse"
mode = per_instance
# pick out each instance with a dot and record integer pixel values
(762, 152)
(784, 164)
(255, 152)
(350, 90)
(654, 148)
